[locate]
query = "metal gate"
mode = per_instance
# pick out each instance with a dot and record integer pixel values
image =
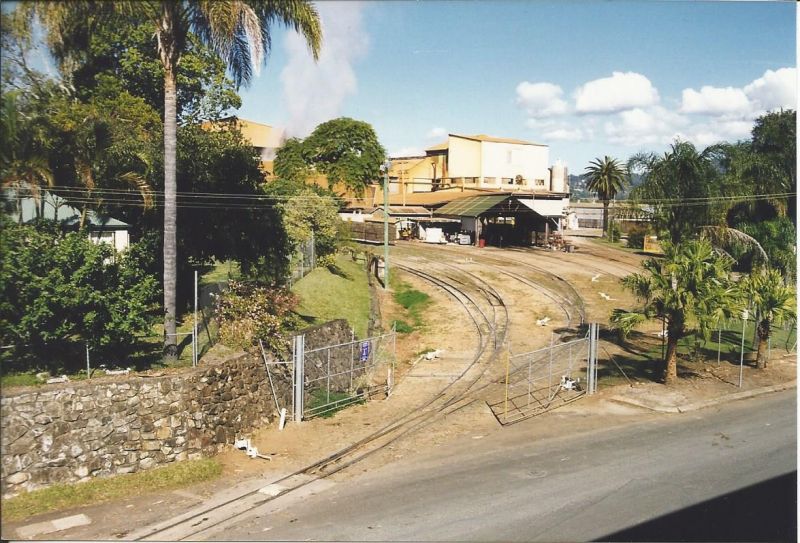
(329, 378)
(541, 380)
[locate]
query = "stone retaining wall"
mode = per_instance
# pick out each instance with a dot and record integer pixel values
(73, 432)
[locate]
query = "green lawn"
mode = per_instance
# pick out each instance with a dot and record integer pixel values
(325, 296)
(644, 354)
(220, 272)
(66, 496)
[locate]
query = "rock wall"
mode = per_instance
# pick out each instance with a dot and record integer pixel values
(73, 432)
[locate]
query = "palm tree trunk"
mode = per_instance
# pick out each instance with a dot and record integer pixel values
(674, 334)
(170, 210)
(763, 337)
(605, 218)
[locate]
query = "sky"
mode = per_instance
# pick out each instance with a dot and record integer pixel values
(588, 78)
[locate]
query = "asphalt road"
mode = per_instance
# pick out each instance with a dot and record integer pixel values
(724, 473)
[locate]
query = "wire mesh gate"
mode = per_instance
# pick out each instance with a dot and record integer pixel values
(547, 378)
(329, 378)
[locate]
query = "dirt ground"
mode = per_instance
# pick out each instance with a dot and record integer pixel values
(592, 270)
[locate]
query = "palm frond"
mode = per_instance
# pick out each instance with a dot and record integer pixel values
(723, 236)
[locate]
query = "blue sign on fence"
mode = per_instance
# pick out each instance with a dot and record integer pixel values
(364, 351)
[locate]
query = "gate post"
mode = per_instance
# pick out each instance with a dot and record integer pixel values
(299, 363)
(591, 365)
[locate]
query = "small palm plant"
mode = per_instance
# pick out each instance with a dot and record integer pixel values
(689, 289)
(773, 303)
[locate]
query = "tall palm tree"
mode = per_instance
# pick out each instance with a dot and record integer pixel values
(670, 181)
(238, 31)
(773, 303)
(24, 165)
(687, 289)
(606, 177)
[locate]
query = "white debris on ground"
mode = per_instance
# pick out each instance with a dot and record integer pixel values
(605, 296)
(54, 380)
(543, 321)
(430, 355)
(596, 277)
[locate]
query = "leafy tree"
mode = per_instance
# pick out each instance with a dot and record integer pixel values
(59, 293)
(291, 163)
(243, 225)
(237, 31)
(309, 213)
(606, 177)
(347, 151)
(688, 289)
(773, 303)
(681, 187)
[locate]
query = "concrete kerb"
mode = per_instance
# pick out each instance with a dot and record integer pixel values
(706, 403)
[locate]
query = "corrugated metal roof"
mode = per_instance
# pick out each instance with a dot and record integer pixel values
(471, 207)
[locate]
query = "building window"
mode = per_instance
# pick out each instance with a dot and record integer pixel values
(538, 182)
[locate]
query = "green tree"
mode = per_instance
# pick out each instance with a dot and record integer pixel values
(681, 187)
(347, 151)
(606, 177)
(773, 304)
(237, 31)
(291, 163)
(689, 289)
(59, 293)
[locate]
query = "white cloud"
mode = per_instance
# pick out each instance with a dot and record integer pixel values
(564, 134)
(315, 91)
(637, 126)
(773, 90)
(621, 91)
(715, 101)
(541, 99)
(435, 133)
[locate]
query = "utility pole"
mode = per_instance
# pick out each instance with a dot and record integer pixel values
(385, 169)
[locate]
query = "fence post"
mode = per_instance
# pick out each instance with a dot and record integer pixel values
(299, 363)
(596, 345)
(195, 345)
(328, 379)
(352, 356)
(88, 367)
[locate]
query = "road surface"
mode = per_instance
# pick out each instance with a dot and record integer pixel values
(723, 473)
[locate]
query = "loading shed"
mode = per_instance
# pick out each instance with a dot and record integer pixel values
(503, 219)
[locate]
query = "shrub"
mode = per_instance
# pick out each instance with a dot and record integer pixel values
(636, 236)
(60, 293)
(328, 261)
(614, 231)
(248, 312)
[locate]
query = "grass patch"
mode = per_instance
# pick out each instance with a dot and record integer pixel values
(20, 380)
(412, 300)
(402, 327)
(325, 296)
(320, 397)
(220, 272)
(622, 245)
(642, 357)
(66, 496)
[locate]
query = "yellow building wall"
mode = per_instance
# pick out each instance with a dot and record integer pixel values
(464, 157)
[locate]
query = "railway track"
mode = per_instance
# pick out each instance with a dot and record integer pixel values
(491, 333)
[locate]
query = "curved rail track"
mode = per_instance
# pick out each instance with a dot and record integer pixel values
(491, 333)
(492, 327)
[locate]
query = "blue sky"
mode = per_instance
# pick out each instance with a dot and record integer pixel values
(589, 78)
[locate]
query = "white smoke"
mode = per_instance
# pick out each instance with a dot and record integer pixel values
(315, 91)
